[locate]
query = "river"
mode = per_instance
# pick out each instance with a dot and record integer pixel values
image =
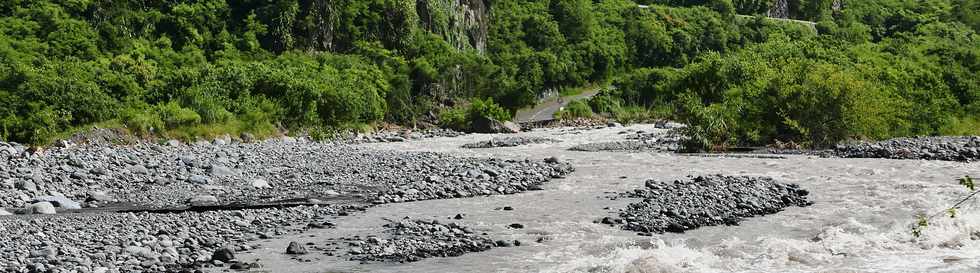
(859, 222)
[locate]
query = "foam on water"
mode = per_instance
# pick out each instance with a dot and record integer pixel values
(849, 246)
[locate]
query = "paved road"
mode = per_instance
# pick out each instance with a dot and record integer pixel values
(546, 110)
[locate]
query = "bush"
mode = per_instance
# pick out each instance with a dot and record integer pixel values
(454, 118)
(575, 109)
(462, 117)
(487, 109)
(605, 103)
(142, 120)
(173, 115)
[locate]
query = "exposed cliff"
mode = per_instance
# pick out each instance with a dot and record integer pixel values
(335, 25)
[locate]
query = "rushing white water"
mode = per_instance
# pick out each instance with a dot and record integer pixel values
(860, 221)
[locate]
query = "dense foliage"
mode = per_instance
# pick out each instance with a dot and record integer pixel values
(217, 66)
(913, 70)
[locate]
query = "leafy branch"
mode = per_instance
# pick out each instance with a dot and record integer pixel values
(922, 220)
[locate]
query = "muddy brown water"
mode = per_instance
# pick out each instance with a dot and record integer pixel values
(859, 221)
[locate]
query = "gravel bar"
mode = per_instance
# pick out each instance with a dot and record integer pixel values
(704, 201)
(965, 148)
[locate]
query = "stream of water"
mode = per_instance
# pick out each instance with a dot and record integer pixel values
(860, 220)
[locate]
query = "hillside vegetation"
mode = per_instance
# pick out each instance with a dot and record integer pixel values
(872, 69)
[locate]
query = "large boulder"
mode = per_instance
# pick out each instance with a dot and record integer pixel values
(42, 208)
(203, 200)
(492, 126)
(59, 201)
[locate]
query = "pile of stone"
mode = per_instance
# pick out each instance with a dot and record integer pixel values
(637, 141)
(414, 240)
(395, 136)
(465, 178)
(144, 242)
(508, 142)
(219, 172)
(585, 123)
(704, 201)
(965, 148)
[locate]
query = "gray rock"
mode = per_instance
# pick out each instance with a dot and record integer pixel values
(137, 169)
(26, 185)
(188, 160)
(203, 200)
(42, 208)
(512, 127)
(173, 143)
(80, 175)
(198, 179)
(142, 252)
(395, 139)
(224, 254)
(98, 196)
(248, 138)
(98, 171)
(59, 201)
(222, 171)
(260, 183)
(295, 248)
(492, 126)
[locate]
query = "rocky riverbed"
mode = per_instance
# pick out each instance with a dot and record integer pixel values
(147, 242)
(217, 173)
(206, 192)
(928, 148)
(637, 141)
(510, 141)
(858, 220)
(411, 240)
(704, 201)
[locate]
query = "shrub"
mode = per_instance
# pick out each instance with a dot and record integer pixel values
(141, 120)
(487, 109)
(454, 118)
(461, 117)
(605, 103)
(575, 109)
(173, 115)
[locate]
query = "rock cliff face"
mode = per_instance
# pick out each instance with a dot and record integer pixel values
(779, 9)
(320, 24)
(463, 23)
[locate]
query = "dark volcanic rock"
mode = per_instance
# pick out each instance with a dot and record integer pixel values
(929, 148)
(413, 240)
(509, 142)
(705, 201)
